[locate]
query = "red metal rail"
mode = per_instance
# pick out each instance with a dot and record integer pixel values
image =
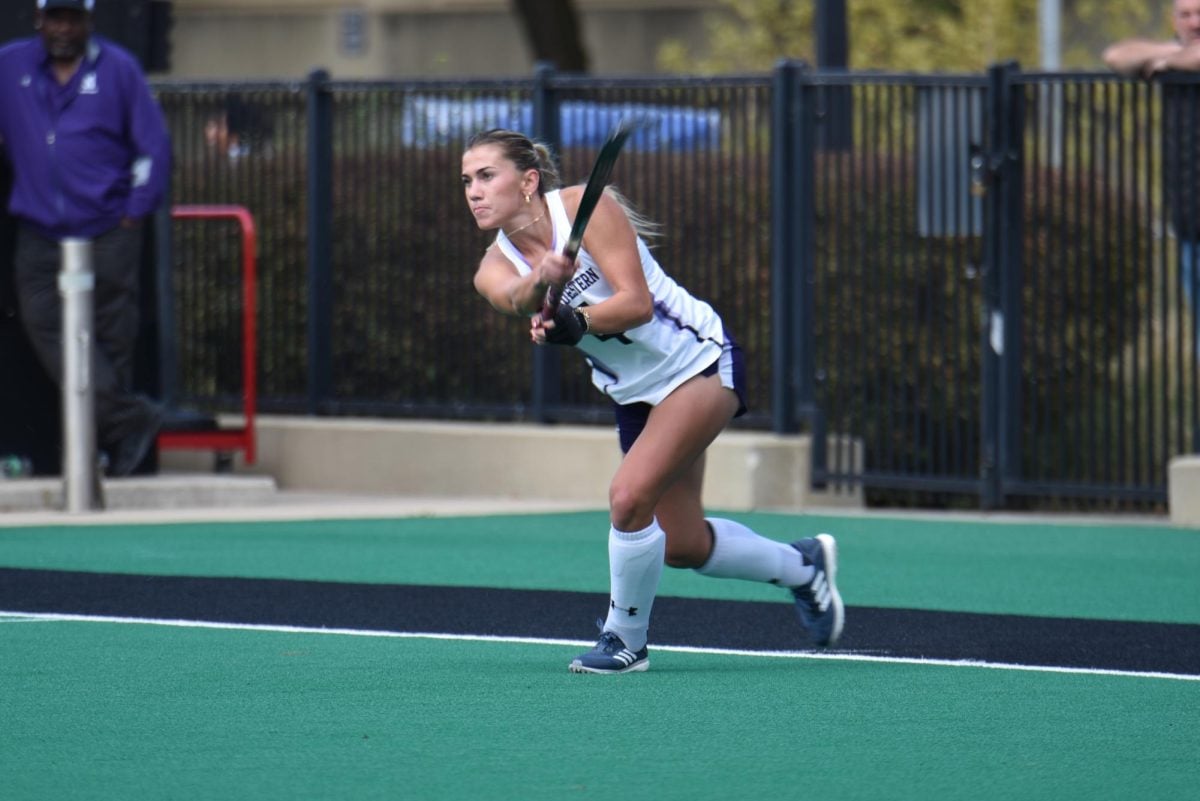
(230, 439)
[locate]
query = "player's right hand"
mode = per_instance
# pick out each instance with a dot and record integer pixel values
(555, 269)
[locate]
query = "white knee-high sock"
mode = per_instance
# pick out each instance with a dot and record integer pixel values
(740, 553)
(635, 564)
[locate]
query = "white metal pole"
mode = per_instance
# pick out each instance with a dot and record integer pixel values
(76, 282)
(1050, 97)
(1050, 33)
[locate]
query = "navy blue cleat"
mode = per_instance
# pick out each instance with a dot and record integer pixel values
(610, 656)
(818, 603)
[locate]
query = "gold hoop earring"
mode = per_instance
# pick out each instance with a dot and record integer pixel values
(526, 197)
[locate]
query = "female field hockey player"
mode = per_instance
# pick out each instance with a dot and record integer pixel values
(675, 377)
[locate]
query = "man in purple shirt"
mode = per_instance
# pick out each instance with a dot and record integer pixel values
(90, 156)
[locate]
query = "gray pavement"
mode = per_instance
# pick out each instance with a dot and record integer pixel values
(200, 496)
(176, 497)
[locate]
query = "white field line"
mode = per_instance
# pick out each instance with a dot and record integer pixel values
(835, 656)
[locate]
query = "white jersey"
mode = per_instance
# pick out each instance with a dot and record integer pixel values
(646, 363)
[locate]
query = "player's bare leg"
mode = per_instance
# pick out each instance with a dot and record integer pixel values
(658, 515)
(665, 461)
(677, 433)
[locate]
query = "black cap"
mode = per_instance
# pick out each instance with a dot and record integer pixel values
(78, 5)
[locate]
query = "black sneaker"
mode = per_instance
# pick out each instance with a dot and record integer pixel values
(610, 656)
(131, 451)
(818, 603)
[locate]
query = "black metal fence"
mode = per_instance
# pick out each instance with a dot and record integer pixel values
(974, 278)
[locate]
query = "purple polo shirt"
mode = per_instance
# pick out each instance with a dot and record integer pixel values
(84, 154)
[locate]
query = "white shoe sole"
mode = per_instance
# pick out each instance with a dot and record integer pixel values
(829, 548)
(636, 667)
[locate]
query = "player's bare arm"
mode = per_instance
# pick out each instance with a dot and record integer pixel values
(611, 241)
(512, 293)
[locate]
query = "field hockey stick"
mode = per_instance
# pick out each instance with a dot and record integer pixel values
(601, 172)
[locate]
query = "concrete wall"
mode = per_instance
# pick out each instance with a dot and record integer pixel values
(745, 470)
(1183, 490)
(405, 38)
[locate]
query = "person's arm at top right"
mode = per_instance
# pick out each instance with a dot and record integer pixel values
(1142, 57)
(1185, 59)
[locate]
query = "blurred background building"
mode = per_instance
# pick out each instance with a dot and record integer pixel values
(264, 39)
(412, 38)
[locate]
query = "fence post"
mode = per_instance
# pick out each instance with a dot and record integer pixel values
(784, 117)
(320, 240)
(998, 172)
(547, 361)
(793, 258)
(76, 283)
(808, 139)
(1012, 279)
(168, 339)
(803, 305)
(832, 54)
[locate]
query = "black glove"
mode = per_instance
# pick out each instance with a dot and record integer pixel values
(569, 326)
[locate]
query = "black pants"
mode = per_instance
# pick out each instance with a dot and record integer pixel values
(116, 256)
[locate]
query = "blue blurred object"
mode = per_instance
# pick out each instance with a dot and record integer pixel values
(430, 121)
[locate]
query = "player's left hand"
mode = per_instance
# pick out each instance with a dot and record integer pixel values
(565, 329)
